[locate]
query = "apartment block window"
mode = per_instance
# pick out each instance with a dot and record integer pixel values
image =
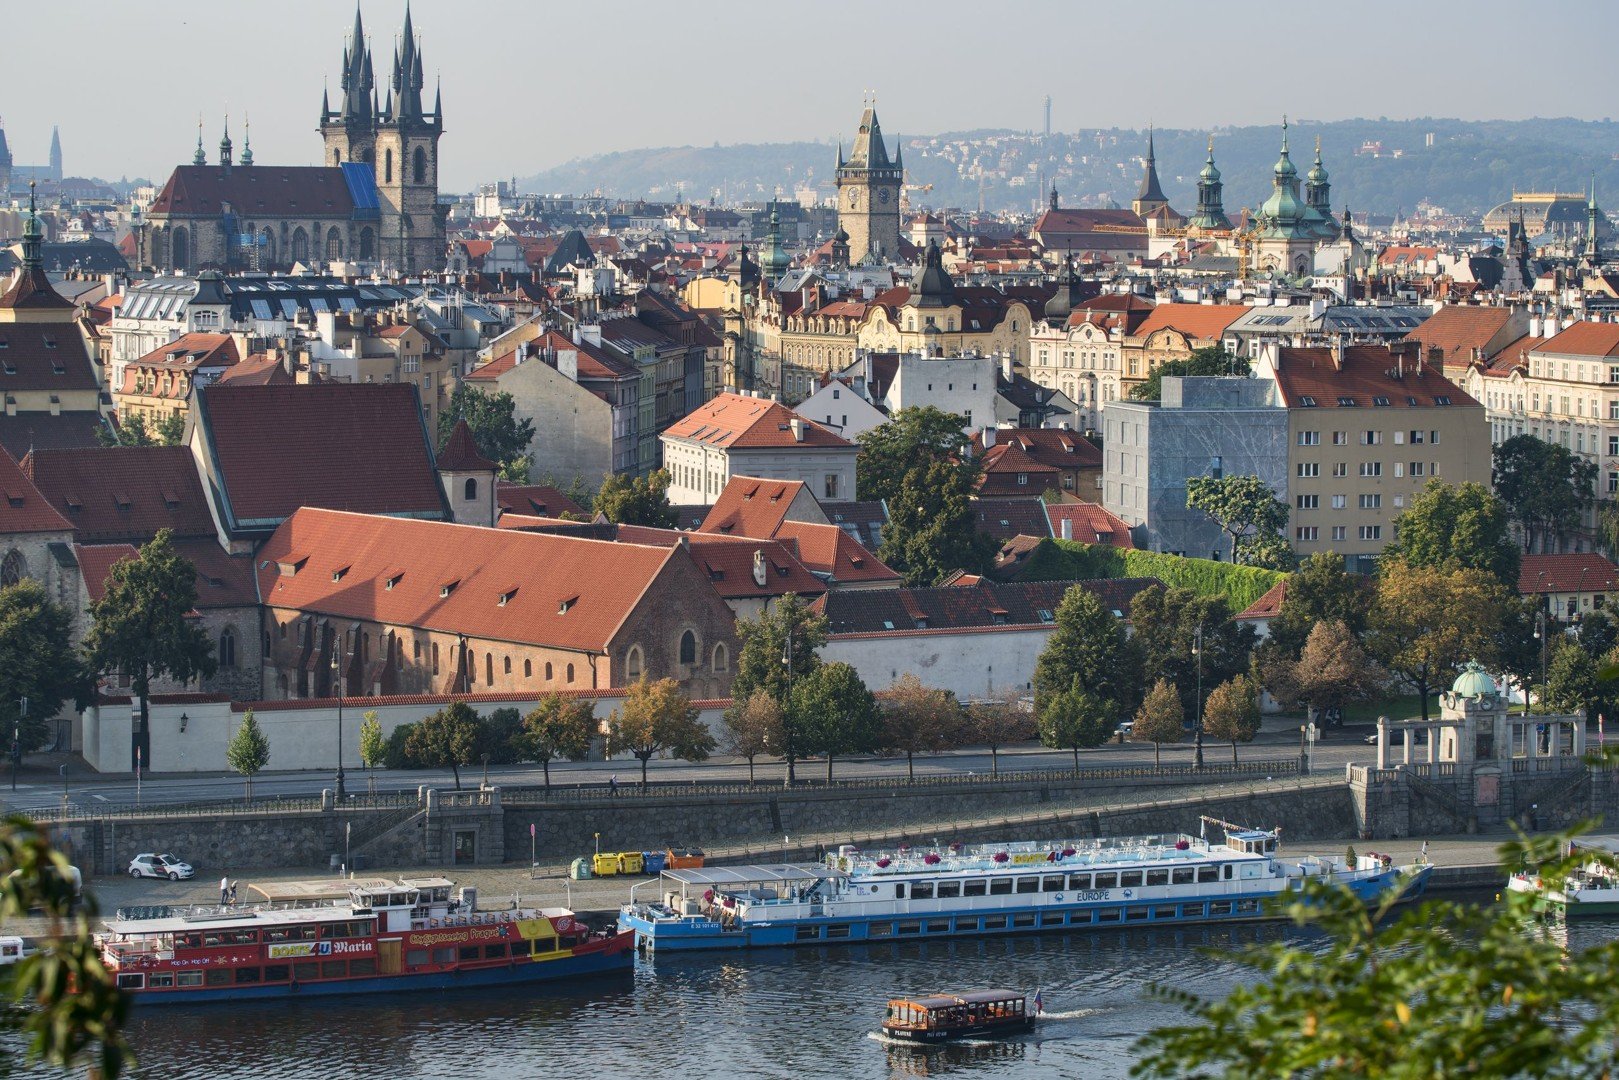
(1340, 532)
(1416, 438)
(1340, 438)
(1613, 483)
(1399, 437)
(1371, 438)
(1613, 445)
(1309, 468)
(1433, 469)
(1399, 502)
(1371, 532)
(1613, 373)
(1309, 502)
(832, 484)
(1371, 502)
(1307, 532)
(1371, 468)
(1399, 468)
(1340, 501)
(1613, 410)
(1340, 468)
(1433, 437)
(1309, 438)
(1418, 468)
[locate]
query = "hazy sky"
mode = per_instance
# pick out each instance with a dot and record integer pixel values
(532, 83)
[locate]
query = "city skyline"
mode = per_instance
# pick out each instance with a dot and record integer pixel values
(502, 78)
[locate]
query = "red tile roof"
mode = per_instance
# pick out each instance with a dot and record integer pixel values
(1361, 379)
(736, 422)
(1090, 522)
(1584, 339)
(751, 507)
(827, 549)
(25, 509)
(537, 499)
(730, 562)
(966, 607)
(257, 370)
(1267, 606)
(1202, 322)
(1541, 574)
(223, 580)
(1004, 463)
(1004, 518)
(460, 452)
(124, 493)
(296, 191)
(96, 562)
(1054, 447)
(360, 447)
(33, 290)
(560, 591)
(1458, 329)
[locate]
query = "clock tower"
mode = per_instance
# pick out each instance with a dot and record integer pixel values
(869, 185)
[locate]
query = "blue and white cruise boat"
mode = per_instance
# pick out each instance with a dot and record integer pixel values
(993, 888)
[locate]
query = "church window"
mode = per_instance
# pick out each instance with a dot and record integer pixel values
(181, 249)
(722, 658)
(528, 669)
(12, 569)
(334, 244)
(507, 663)
(227, 648)
(471, 488)
(570, 671)
(547, 671)
(489, 668)
(418, 166)
(300, 245)
(387, 166)
(688, 648)
(632, 663)
(337, 156)
(368, 244)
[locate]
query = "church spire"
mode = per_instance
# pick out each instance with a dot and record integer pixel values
(1151, 196)
(31, 236)
(225, 144)
(201, 156)
(247, 142)
(1054, 194)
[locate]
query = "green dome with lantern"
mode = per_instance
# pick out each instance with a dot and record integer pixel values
(1473, 682)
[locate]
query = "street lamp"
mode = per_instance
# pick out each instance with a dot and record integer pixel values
(1541, 635)
(1306, 743)
(787, 662)
(1579, 591)
(337, 685)
(1197, 732)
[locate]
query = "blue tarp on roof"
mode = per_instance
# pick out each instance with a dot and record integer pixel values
(362, 182)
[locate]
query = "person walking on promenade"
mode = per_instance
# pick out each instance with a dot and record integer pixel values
(224, 891)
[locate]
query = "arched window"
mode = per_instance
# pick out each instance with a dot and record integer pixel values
(368, 156)
(300, 245)
(435, 658)
(507, 661)
(267, 246)
(722, 658)
(387, 166)
(632, 663)
(548, 671)
(283, 627)
(267, 643)
(688, 648)
(471, 488)
(181, 249)
(489, 668)
(570, 673)
(334, 243)
(368, 244)
(528, 669)
(418, 166)
(227, 648)
(12, 568)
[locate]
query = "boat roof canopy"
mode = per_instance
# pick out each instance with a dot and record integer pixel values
(750, 875)
(966, 997)
(1608, 844)
(277, 892)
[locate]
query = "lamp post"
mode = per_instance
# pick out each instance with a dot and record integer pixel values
(1541, 635)
(1197, 731)
(337, 685)
(787, 662)
(485, 772)
(1579, 591)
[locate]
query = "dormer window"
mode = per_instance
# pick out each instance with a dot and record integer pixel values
(567, 605)
(447, 588)
(392, 580)
(290, 566)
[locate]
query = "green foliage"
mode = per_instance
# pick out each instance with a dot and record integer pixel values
(1232, 713)
(1427, 621)
(919, 719)
(835, 714)
(373, 747)
(753, 726)
(37, 661)
(912, 438)
(248, 751)
(64, 1002)
(1456, 525)
(759, 664)
(492, 418)
(558, 727)
(1211, 360)
(1572, 683)
(502, 738)
(450, 737)
(1444, 989)
(1332, 670)
(657, 718)
(1161, 718)
(1544, 487)
(1598, 633)
(931, 528)
(395, 750)
(636, 500)
(1076, 719)
(1065, 560)
(135, 431)
(1088, 648)
(1165, 623)
(1319, 590)
(1246, 509)
(1001, 719)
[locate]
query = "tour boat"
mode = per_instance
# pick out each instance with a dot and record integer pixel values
(976, 889)
(381, 936)
(976, 1014)
(1590, 891)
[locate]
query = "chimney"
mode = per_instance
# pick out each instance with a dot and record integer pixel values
(1006, 367)
(797, 424)
(1534, 326)
(1067, 528)
(989, 437)
(1338, 353)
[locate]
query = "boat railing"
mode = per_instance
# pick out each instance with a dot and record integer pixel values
(983, 857)
(226, 911)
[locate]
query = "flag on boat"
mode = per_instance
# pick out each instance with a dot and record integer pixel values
(1039, 1002)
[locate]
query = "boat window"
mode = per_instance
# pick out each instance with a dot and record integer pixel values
(241, 937)
(358, 928)
(162, 979)
(1247, 907)
(1135, 914)
(1181, 875)
(1228, 871)
(910, 927)
(333, 969)
(949, 889)
(995, 922)
(131, 980)
(938, 926)
(1157, 877)
(469, 952)
(838, 930)
(1166, 912)
(1191, 911)
(899, 890)
(974, 888)
(1028, 884)
(1208, 873)
(1000, 886)
(413, 958)
(188, 978)
(1107, 881)
(1219, 907)
(1107, 915)
(1130, 879)
(247, 975)
(188, 941)
(1079, 881)
(362, 967)
(1270, 845)
(1051, 883)
(1023, 920)
(921, 890)
(494, 952)
(218, 977)
(880, 929)
(277, 972)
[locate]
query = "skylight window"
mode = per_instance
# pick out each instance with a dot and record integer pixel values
(1347, 401)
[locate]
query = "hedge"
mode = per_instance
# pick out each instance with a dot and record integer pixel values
(1058, 560)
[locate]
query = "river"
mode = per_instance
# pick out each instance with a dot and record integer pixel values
(794, 1014)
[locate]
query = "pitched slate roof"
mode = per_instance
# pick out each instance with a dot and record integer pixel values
(1006, 518)
(124, 493)
(37, 430)
(460, 452)
(360, 447)
(33, 290)
(862, 519)
(1590, 572)
(560, 591)
(735, 422)
(962, 607)
(25, 510)
(293, 191)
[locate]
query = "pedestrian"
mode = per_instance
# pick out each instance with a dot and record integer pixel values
(612, 784)
(1534, 818)
(233, 892)
(224, 891)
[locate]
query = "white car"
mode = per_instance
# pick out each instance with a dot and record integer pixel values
(159, 866)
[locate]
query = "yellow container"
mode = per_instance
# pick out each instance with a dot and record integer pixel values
(631, 862)
(605, 864)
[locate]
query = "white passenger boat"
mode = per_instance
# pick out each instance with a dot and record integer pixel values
(1591, 891)
(976, 889)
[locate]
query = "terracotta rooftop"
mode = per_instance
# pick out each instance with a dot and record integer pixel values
(752, 507)
(1456, 330)
(1004, 518)
(124, 493)
(536, 499)
(1090, 523)
(1005, 464)
(460, 452)
(44, 356)
(1269, 605)
(33, 290)
(36, 430)
(963, 607)
(1584, 339)
(96, 562)
(191, 351)
(833, 553)
(296, 191)
(1203, 322)
(1542, 574)
(1312, 378)
(25, 510)
(735, 422)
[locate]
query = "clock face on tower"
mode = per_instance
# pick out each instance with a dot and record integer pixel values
(882, 195)
(854, 197)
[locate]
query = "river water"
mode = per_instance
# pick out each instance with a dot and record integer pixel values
(794, 1014)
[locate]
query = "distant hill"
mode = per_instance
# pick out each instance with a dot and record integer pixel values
(1469, 167)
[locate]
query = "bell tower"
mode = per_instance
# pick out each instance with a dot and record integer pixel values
(412, 224)
(869, 184)
(350, 129)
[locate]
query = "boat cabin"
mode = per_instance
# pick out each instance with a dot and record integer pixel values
(948, 1015)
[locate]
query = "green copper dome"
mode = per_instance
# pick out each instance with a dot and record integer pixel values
(1210, 173)
(1473, 682)
(1284, 164)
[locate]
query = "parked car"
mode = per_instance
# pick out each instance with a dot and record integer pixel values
(159, 866)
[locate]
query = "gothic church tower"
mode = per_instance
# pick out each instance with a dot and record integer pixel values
(869, 185)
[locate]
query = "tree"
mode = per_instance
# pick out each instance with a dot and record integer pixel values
(1087, 646)
(932, 529)
(1597, 633)
(1232, 713)
(919, 719)
(1268, 551)
(999, 720)
(1545, 488)
(135, 431)
(63, 999)
(1211, 360)
(636, 500)
(1332, 671)
(500, 436)
(1572, 683)
(835, 713)
(657, 718)
(1427, 621)
(142, 627)
(447, 737)
(249, 750)
(373, 747)
(37, 662)
(1456, 525)
(912, 437)
(1446, 988)
(558, 727)
(502, 740)
(1161, 718)
(1166, 624)
(1320, 589)
(1077, 719)
(1243, 506)
(760, 664)
(752, 726)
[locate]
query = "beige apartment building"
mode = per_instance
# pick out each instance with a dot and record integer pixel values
(1368, 427)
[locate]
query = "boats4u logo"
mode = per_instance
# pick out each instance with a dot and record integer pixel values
(323, 948)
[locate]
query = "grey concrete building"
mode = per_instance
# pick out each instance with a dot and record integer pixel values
(1205, 426)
